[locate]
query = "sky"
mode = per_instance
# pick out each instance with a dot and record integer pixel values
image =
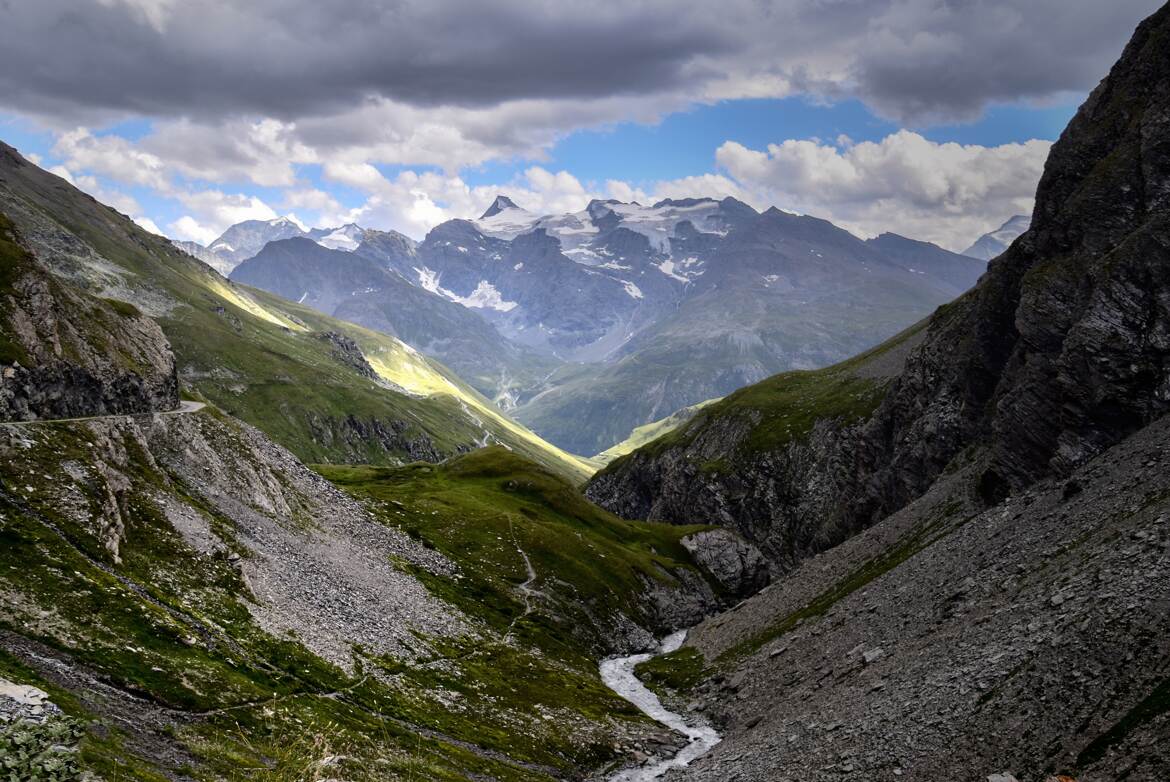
(928, 118)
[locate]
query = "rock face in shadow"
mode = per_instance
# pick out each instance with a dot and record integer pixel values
(1062, 350)
(65, 354)
(737, 565)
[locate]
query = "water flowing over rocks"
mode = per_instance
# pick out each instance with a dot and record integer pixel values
(618, 674)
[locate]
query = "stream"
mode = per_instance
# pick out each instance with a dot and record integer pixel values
(618, 675)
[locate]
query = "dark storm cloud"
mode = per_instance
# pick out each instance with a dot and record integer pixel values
(930, 60)
(287, 58)
(914, 60)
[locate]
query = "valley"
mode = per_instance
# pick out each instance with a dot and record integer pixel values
(587, 326)
(619, 489)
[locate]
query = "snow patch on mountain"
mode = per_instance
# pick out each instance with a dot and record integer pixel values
(667, 268)
(657, 223)
(485, 296)
(632, 290)
(576, 230)
(346, 238)
(506, 221)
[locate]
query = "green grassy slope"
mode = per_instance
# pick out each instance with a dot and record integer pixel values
(651, 431)
(257, 355)
(156, 653)
(497, 514)
(784, 407)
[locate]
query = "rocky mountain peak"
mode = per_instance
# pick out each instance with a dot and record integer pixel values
(501, 203)
(682, 202)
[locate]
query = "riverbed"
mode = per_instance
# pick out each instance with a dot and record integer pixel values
(618, 675)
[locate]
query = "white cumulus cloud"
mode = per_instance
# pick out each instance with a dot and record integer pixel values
(942, 192)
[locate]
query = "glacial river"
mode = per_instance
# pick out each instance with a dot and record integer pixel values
(618, 675)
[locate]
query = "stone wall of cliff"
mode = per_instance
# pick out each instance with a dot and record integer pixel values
(66, 354)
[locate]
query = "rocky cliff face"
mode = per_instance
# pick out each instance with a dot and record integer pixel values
(776, 494)
(1021, 642)
(64, 354)
(1005, 619)
(1058, 353)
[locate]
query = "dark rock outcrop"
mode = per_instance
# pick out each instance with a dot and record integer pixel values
(346, 351)
(1062, 350)
(737, 565)
(65, 354)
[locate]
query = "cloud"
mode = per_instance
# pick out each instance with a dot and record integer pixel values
(305, 58)
(149, 225)
(123, 202)
(190, 229)
(947, 193)
(914, 60)
(329, 211)
(925, 61)
(262, 152)
(247, 95)
(414, 202)
(153, 12)
(111, 156)
(943, 192)
(211, 212)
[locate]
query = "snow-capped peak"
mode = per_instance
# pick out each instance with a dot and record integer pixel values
(347, 237)
(289, 219)
(505, 220)
(501, 203)
(992, 244)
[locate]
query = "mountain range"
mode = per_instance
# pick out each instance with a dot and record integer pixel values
(241, 538)
(591, 324)
(244, 240)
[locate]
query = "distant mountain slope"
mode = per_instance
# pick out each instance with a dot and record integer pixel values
(930, 260)
(359, 287)
(779, 291)
(990, 245)
(328, 390)
(651, 431)
(609, 318)
(244, 240)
